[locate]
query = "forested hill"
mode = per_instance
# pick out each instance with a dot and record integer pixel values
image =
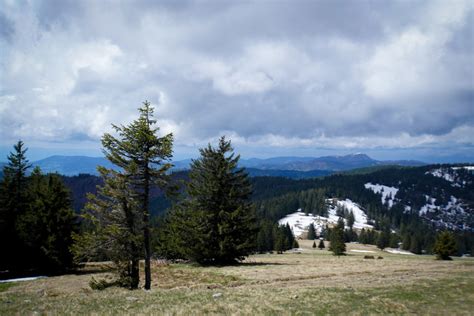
(83, 184)
(441, 195)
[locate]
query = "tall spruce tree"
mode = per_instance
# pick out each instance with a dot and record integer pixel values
(350, 220)
(281, 239)
(218, 225)
(383, 240)
(13, 204)
(337, 245)
(311, 232)
(144, 158)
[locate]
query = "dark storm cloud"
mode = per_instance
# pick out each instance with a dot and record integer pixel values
(328, 74)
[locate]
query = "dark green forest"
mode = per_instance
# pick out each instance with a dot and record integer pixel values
(275, 197)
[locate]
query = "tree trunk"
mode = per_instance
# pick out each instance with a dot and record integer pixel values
(146, 228)
(134, 274)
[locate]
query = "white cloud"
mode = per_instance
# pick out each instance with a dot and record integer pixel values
(416, 61)
(369, 75)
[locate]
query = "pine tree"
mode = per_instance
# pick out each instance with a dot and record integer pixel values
(311, 232)
(324, 232)
(350, 220)
(261, 241)
(321, 245)
(337, 245)
(384, 237)
(416, 243)
(15, 172)
(219, 224)
(314, 244)
(281, 241)
(144, 158)
(363, 236)
(115, 228)
(445, 245)
(406, 241)
(13, 204)
(289, 236)
(394, 240)
(46, 226)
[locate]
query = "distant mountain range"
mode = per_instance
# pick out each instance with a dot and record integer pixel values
(328, 163)
(290, 167)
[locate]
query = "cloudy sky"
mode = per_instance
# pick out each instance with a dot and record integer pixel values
(393, 79)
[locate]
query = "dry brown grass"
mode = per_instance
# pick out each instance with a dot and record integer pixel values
(312, 281)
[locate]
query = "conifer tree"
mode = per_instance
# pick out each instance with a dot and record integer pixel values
(281, 241)
(115, 228)
(337, 245)
(394, 240)
(144, 159)
(321, 245)
(218, 223)
(311, 232)
(289, 236)
(314, 244)
(15, 172)
(445, 245)
(363, 236)
(416, 243)
(46, 226)
(350, 220)
(384, 237)
(13, 203)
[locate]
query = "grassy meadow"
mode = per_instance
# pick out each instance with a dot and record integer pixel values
(310, 282)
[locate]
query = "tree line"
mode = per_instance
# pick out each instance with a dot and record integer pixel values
(36, 219)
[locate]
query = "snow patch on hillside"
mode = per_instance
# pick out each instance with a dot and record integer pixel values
(359, 215)
(470, 168)
(442, 173)
(451, 175)
(299, 221)
(429, 206)
(388, 193)
(451, 215)
(398, 251)
(362, 251)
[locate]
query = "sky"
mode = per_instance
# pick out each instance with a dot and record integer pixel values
(392, 79)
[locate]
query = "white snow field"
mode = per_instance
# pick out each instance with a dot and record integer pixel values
(398, 251)
(386, 191)
(299, 222)
(23, 279)
(362, 251)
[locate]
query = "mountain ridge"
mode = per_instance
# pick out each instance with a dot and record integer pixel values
(74, 165)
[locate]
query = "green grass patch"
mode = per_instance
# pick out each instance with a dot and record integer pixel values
(6, 286)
